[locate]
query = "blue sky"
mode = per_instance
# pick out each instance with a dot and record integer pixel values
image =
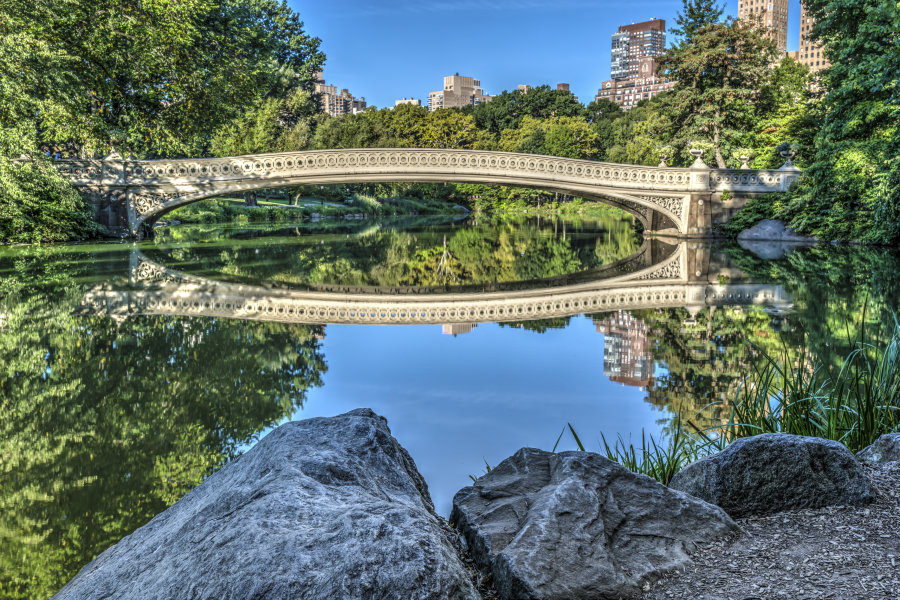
(388, 49)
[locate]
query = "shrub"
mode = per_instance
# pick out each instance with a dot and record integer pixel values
(38, 205)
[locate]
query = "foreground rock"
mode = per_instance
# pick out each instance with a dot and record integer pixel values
(885, 449)
(575, 525)
(769, 473)
(322, 508)
(772, 230)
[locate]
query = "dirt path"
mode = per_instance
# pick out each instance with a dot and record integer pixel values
(839, 553)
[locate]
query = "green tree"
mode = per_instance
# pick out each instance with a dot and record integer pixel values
(851, 190)
(787, 113)
(571, 137)
(274, 125)
(719, 76)
(506, 110)
(639, 134)
(449, 129)
(153, 77)
(693, 17)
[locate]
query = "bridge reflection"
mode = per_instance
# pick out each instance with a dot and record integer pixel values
(658, 275)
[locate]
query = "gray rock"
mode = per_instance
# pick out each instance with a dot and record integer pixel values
(774, 231)
(769, 473)
(321, 508)
(576, 525)
(885, 449)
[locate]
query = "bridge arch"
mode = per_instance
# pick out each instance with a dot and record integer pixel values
(659, 196)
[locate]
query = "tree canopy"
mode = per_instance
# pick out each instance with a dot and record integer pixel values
(152, 77)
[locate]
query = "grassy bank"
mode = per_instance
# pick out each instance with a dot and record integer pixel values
(853, 403)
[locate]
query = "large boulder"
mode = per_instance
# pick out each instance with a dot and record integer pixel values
(321, 508)
(772, 472)
(576, 525)
(885, 449)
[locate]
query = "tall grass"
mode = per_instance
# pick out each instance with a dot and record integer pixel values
(853, 404)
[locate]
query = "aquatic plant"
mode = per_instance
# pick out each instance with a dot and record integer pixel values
(853, 403)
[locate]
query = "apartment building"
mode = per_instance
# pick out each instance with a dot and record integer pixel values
(770, 15)
(337, 102)
(633, 42)
(458, 91)
(413, 101)
(810, 53)
(628, 92)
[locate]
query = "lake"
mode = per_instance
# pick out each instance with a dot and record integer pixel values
(131, 371)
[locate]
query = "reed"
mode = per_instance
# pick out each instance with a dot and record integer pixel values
(852, 404)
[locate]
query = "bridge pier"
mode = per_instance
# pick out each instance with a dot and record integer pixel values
(111, 209)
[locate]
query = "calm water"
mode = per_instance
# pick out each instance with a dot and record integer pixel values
(128, 372)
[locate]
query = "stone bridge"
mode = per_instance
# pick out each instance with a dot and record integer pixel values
(684, 202)
(678, 277)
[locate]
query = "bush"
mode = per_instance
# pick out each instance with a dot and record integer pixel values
(38, 205)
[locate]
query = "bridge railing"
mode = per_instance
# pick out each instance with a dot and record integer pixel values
(753, 180)
(113, 171)
(179, 172)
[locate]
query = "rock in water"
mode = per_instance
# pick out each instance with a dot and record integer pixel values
(576, 525)
(321, 508)
(885, 449)
(773, 472)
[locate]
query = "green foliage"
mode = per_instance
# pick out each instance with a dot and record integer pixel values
(719, 74)
(106, 424)
(639, 133)
(274, 125)
(850, 191)
(506, 110)
(556, 136)
(152, 77)
(38, 205)
(694, 16)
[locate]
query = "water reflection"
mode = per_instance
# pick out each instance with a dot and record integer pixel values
(109, 420)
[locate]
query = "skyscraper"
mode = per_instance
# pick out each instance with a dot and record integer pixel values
(810, 53)
(634, 51)
(771, 15)
(633, 42)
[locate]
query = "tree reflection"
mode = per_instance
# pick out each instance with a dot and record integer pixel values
(106, 424)
(485, 252)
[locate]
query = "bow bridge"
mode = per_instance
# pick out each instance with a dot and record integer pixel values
(670, 201)
(654, 277)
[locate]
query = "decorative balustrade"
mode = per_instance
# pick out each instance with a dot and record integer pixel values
(156, 186)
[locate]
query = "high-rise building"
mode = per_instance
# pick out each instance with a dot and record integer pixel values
(628, 92)
(337, 103)
(770, 15)
(458, 91)
(633, 42)
(810, 53)
(626, 349)
(413, 101)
